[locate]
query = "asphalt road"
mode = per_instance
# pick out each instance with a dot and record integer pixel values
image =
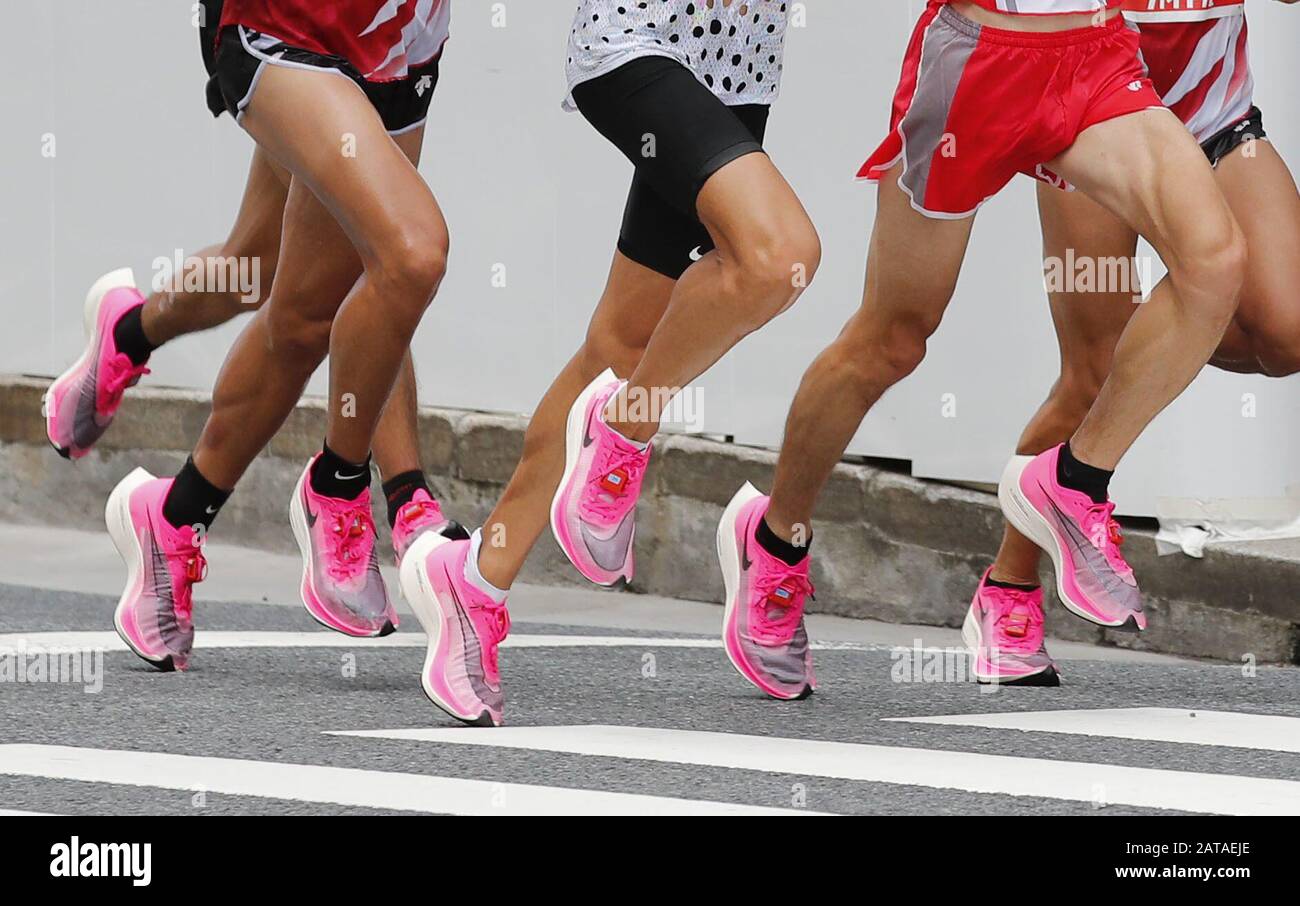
(615, 702)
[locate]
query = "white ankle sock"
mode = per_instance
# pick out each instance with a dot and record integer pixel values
(474, 577)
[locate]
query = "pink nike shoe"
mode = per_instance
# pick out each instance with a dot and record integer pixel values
(762, 626)
(422, 514)
(461, 675)
(341, 585)
(1082, 538)
(163, 563)
(1004, 632)
(593, 514)
(81, 403)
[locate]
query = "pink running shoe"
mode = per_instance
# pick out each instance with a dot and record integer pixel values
(762, 626)
(341, 585)
(593, 515)
(465, 626)
(1004, 632)
(422, 514)
(81, 403)
(163, 563)
(1082, 538)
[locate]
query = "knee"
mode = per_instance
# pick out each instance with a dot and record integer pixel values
(410, 268)
(771, 269)
(867, 367)
(1213, 269)
(903, 346)
(298, 340)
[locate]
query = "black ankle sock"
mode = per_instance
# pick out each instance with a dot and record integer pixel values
(128, 333)
(1081, 477)
(193, 500)
(989, 580)
(399, 490)
(782, 550)
(334, 476)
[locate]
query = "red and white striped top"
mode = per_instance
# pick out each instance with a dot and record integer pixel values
(381, 38)
(1047, 7)
(1182, 10)
(1199, 61)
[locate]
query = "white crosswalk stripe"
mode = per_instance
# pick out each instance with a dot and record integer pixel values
(1205, 728)
(968, 771)
(343, 786)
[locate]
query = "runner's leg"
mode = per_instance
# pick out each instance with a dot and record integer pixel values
(912, 270)
(632, 304)
(1148, 170)
(1262, 194)
(1088, 325)
(271, 361)
(168, 313)
(767, 252)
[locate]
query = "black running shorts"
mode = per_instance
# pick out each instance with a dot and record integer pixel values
(677, 134)
(1224, 142)
(235, 56)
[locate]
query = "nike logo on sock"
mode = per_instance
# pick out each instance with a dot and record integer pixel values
(349, 477)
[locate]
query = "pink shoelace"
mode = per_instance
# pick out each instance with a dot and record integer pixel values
(122, 373)
(779, 595)
(350, 535)
(617, 479)
(496, 619)
(1103, 531)
(1019, 626)
(194, 569)
(419, 513)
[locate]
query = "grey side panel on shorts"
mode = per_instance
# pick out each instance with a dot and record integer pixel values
(944, 55)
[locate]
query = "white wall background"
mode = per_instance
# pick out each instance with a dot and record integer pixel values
(141, 169)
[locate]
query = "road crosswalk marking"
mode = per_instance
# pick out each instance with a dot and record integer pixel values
(1206, 728)
(937, 769)
(344, 786)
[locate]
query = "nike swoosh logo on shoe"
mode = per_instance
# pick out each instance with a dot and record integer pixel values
(609, 553)
(587, 439)
(745, 562)
(1112, 583)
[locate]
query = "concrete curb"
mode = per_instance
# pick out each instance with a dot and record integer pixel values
(891, 547)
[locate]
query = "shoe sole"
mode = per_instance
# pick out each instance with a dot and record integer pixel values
(730, 564)
(420, 596)
(974, 640)
(89, 318)
(1030, 523)
(117, 517)
(573, 428)
(301, 534)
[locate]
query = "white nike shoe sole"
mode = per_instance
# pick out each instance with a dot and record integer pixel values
(117, 518)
